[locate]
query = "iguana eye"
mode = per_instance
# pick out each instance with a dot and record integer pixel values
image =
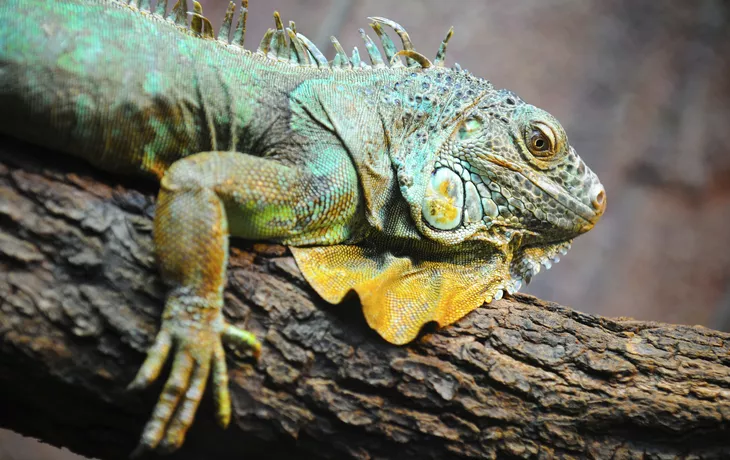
(538, 142)
(470, 128)
(541, 141)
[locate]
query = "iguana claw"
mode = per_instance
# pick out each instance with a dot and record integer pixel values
(198, 355)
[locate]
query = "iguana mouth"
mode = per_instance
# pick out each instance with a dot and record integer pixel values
(564, 199)
(451, 208)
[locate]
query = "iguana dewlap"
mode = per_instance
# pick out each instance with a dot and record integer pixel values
(420, 187)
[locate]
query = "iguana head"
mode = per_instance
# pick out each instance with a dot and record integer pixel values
(477, 165)
(509, 165)
(507, 170)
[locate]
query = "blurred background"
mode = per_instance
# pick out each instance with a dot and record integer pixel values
(643, 89)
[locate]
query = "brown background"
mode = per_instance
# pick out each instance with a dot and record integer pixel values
(643, 89)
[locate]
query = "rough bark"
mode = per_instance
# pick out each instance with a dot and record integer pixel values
(521, 378)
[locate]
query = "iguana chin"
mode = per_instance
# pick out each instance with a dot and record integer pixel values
(420, 187)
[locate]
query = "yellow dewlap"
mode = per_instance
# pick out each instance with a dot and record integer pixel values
(399, 294)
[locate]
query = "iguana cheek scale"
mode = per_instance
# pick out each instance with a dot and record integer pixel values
(419, 187)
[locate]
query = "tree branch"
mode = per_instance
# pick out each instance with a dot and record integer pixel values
(80, 302)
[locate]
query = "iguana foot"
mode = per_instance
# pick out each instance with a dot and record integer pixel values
(196, 330)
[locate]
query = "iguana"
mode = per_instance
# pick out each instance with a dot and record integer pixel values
(419, 187)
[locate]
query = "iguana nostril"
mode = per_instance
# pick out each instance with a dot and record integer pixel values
(599, 199)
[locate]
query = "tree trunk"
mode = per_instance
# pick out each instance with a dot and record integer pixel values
(520, 378)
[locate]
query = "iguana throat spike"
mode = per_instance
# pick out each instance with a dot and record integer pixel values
(239, 35)
(375, 57)
(441, 54)
(225, 30)
(316, 54)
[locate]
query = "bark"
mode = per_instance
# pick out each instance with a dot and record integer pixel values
(521, 378)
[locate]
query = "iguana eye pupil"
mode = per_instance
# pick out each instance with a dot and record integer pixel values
(539, 144)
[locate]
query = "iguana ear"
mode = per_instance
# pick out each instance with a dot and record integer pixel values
(415, 157)
(399, 294)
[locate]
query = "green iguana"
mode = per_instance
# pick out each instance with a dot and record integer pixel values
(420, 187)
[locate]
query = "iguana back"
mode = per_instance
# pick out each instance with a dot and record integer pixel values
(133, 94)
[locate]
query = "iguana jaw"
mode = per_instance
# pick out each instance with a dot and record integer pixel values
(452, 205)
(590, 215)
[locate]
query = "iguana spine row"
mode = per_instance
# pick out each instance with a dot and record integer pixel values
(298, 50)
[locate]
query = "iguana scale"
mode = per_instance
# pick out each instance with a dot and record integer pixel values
(419, 187)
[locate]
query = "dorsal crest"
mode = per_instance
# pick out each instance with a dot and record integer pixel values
(285, 44)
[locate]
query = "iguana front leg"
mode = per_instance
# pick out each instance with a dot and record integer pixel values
(202, 199)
